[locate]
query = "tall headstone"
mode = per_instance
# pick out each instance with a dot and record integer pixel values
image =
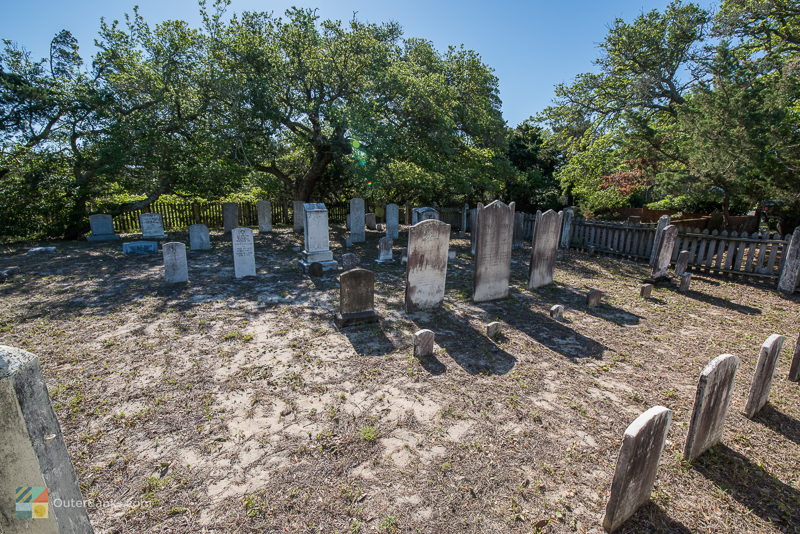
(176, 268)
(370, 222)
(244, 257)
(790, 274)
(543, 251)
(473, 228)
(392, 221)
(264, 209)
(682, 263)
(230, 216)
(492, 266)
(664, 257)
(385, 250)
(357, 222)
(317, 240)
(298, 219)
(33, 453)
(102, 226)
(464, 219)
(426, 268)
(663, 222)
(350, 261)
(762, 378)
(794, 369)
(637, 464)
(519, 231)
(710, 405)
(566, 227)
(152, 225)
(423, 343)
(356, 298)
(199, 237)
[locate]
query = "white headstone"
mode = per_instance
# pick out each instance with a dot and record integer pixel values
(357, 232)
(230, 216)
(152, 226)
(317, 237)
(543, 250)
(762, 378)
(264, 209)
(492, 266)
(385, 250)
(710, 405)
(244, 258)
(426, 267)
(176, 268)
(392, 221)
(423, 343)
(199, 237)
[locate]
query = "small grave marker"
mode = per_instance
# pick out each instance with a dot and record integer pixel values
(356, 298)
(423, 343)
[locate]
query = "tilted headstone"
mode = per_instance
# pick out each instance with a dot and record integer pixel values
(357, 232)
(710, 405)
(316, 237)
(519, 231)
(424, 214)
(664, 257)
(762, 378)
(140, 247)
(790, 274)
(264, 209)
(385, 250)
(350, 261)
(176, 268)
(557, 311)
(102, 227)
(369, 221)
(566, 227)
(230, 216)
(392, 221)
(35, 465)
(492, 265)
(663, 222)
(637, 464)
(199, 237)
(423, 343)
(152, 225)
(682, 263)
(494, 329)
(594, 297)
(686, 280)
(794, 369)
(426, 270)
(543, 251)
(646, 291)
(244, 258)
(298, 217)
(356, 298)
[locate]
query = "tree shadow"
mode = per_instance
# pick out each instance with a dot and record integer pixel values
(653, 519)
(719, 302)
(751, 485)
(778, 421)
(368, 339)
(607, 312)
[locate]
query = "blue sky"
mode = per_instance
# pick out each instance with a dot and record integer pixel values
(531, 45)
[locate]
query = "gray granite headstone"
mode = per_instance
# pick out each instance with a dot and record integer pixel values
(385, 250)
(423, 343)
(33, 451)
(317, 238)
(176, 268)
(519, 231)
(762, 378)
(152, 225)
(646, 291)
(350, 261)
(140, 247)
(794, 369)
(593, 298)
(356, 298)
(244, 258)
(102, 226)
(663, 222)
(392, 221)
(711, 403)
(682, 263)
(426, 270)
(230, 216)
(370, 222)
(199, 237)
(492, 265)
(557, 311)
(298, 217)
(566, 227)
(664, 256)
(357, 222)
(264, 210)
(790, 274)
(637, 464)
(543, 251)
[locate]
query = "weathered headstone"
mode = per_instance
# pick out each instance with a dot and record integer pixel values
(519, 231)
(473, 228)
(557, 311)
(794, 369)
(385, 250)
(686, 280)
(790, 274)
(152, 225)
(356, 298)
(298, 217)
(710, 405)
(316, 237)
(230, 216)
(424, 214)
(762, 378)
(426, 270)
(244, 258)
(404, 255)
(357, 232)
(423, 343)
(544, 248)
(637, 464)
(566, 227)
(493, 329)
(33, 453)
(315, 270)
(350, 261)
(264, 209)
(140, 247)
(176, 268)
(392, 221)
(593, 298)
(199, 237)
(664, 257)
(646, 291)
(492, 266)
(464, 219)
(663, 222)
(369, 221)
(682, 263)
(102, 227)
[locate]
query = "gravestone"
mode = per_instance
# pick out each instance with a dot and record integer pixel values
(711, 403)
(424, 214)
(682, 263)
(557, 311)
(566, 227)
(492, 266)
(385, 250)
(794, 369)
(140, 247)
(244, 259)
(199, 237)
(33, 452)
(298, 218)
(637, 464)
(464, 219)
(392, 221)
(423, 343)
(152, 225)
(664, 256)
(176, 268)
(356, 298)
(230, 216)
(493, 329)
(357, 232)
(316, 238)
(426, 270)
(264, 209)
(543, 250)
(593, 298)
(404, 255)
(762, 378)
(663, 222)
(350, 261)
(519, 231)
(686, 280)
(646, 291)
(315, 270)
(790, 274)
(102, 227)
(369, 221)
(473, 228)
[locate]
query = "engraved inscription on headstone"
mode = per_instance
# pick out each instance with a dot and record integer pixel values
(492, 265)
(244, 260)
(152, 226)
(426, 270)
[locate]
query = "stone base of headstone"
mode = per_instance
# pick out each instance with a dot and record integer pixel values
(140, 247)
(103, 237)
(327, 265)
(343, 320)
(557, 311)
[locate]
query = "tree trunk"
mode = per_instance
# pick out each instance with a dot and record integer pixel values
(78, 217)
(304, 187)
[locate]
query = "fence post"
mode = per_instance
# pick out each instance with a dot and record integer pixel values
(791, 266)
